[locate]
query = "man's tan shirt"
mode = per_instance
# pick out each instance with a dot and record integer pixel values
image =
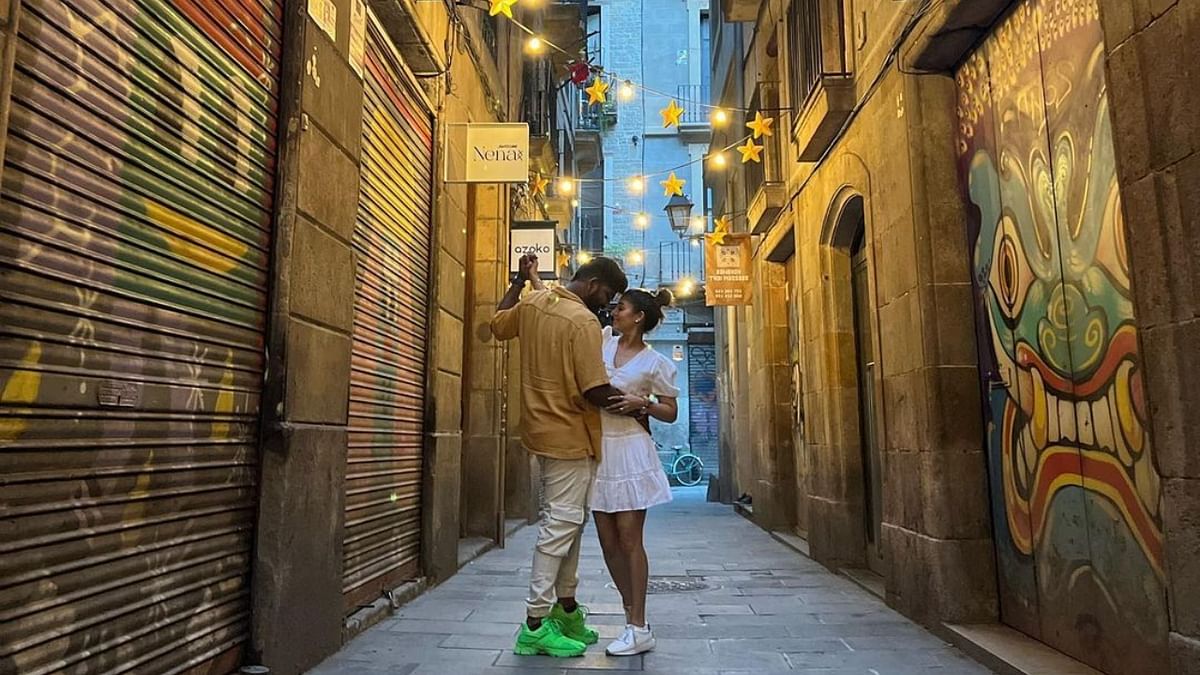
(561, 358)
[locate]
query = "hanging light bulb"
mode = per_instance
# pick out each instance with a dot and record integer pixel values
(575, 203)
(636, 185)
(583, 257)
(719, 160)
(695, 243)
(626, 92)
(720, 117)
(636, 257)
(566, 186)
(534, 45)
(641, 221)
(686, 287)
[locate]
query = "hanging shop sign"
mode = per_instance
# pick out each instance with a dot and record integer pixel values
(533, 237)
(487, 153)
(727, 270)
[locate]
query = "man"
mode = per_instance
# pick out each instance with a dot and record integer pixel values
(563, 386)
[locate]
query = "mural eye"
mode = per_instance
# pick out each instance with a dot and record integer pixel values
(1011, 275)
(1006, 263)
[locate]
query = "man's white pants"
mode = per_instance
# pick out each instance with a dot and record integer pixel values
(565, 485)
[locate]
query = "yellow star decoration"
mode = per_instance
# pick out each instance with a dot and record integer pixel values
(750, 151)
(672, 185)
(671, 114)
(564, 259)
(761, 126)
(597, 91)
(537, 184)
(501, 7)
(720, 231)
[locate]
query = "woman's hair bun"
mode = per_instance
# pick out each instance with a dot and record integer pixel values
(664, 298)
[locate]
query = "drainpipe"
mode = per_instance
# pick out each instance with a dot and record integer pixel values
(10, 14)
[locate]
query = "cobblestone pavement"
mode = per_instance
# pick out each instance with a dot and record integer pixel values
(763, 609)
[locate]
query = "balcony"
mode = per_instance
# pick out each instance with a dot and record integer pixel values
(682, 259)
(563, 24)
(766, 181)
(590, 122)
(735, 11)
(821, 89)
(598, 117)
(694, 123)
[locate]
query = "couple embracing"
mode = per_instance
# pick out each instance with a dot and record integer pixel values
(587, 396)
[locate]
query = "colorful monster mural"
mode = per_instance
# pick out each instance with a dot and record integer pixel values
(1074, 488)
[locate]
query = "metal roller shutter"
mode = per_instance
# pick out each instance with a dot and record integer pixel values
(134, 230)
(387, 388)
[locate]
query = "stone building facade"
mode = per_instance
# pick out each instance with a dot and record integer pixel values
(960, 368)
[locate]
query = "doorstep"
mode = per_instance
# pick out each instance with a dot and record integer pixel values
(869, 580)
(382, 608)
(1010, 652)
(793, 541)
(469, 549)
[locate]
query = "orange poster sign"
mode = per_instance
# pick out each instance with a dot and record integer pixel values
(727, 270)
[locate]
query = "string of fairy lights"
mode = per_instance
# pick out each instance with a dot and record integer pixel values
(599, 83)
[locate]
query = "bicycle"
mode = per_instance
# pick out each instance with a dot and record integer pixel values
(686, 468)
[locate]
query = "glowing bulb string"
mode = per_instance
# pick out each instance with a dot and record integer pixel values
(601, 70)
(622, 210)
(664, 172)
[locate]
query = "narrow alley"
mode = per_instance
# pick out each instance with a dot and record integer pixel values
(725, 598)
(306, 306)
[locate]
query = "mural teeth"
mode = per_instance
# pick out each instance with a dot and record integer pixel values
(1124, 411)
(1102, 422)
(1083, 419)
(1053, 428)
(1040, 413)
(1066, 418)
(1028, 458)
(1118, 437)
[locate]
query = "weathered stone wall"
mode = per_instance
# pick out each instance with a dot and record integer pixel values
(298, 547)
(897, 157)
(1154, 89)
(298, 617)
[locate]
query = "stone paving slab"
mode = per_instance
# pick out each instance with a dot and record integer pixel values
(766, 610)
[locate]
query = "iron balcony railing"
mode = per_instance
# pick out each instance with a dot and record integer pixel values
(804, 49)
(596, 117)
(770, 169)
(678, 260)
(694, 99)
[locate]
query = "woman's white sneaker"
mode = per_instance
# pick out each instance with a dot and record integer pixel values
(635, 640)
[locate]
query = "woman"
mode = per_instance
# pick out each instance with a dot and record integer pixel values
(630, 477)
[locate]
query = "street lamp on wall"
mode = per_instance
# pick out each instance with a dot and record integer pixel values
(679, 212)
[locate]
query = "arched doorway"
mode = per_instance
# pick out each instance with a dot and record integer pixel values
(868, 427)
(853, 316)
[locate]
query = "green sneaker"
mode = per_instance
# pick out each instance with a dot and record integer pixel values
(547, 639)
(573, 624)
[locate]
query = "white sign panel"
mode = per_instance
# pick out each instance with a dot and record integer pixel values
(537, 238)
(324, 12)
(488, 153)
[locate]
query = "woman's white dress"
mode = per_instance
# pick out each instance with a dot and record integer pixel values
(630, 476)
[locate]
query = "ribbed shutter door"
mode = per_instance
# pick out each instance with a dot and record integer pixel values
(387, 389)
(134, 230)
